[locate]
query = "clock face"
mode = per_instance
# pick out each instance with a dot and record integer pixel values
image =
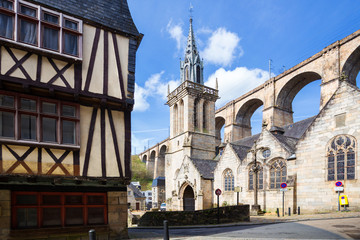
(266, 153)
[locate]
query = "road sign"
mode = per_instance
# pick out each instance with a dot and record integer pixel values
(218, 192)
(343, 200)
(237, 189)
(283, 185)
(339, 189)
(283, 189)
(338, 184)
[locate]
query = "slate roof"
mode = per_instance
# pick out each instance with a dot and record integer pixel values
(292, 133)
(288, 142)
(205, 167)
(241, 151)
(113, 14)
(158, 182)
(296, 130)
(248, 141)
(137, 192)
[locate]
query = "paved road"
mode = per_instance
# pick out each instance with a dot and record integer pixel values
(348, 228)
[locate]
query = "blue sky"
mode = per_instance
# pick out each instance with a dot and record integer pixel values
(236, 39)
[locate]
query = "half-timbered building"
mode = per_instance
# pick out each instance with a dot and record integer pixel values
(66, 94)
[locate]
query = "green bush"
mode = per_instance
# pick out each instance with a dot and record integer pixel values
(139, 173)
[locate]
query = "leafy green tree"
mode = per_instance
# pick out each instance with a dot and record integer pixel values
(139, 173)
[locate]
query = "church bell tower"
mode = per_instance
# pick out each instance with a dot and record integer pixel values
(192, 108)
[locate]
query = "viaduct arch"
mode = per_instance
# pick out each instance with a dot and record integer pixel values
(154, 157)
(338, 61)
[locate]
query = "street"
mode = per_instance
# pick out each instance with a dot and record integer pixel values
(347, 228)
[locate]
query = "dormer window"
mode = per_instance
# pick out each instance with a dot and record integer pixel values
(38, 27)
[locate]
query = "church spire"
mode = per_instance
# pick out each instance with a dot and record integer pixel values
(192, 67)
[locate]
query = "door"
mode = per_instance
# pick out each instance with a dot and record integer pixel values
(137, 206)
(188, 199)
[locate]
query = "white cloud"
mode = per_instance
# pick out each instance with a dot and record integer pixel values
(222, 47)
(153, 87)
(176, 33)
(234, 83)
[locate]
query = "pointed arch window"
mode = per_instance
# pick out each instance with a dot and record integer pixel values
(277, 173)
(252, 177)
(196, 121)
(341, 158)
(198, 74)
(181, 116)
(205, 116)
(186, 73)
(175, 120)
(228, 180)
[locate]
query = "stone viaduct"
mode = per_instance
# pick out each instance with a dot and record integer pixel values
(338, 60)
(154, 157)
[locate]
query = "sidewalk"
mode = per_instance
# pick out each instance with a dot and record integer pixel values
(269, 219)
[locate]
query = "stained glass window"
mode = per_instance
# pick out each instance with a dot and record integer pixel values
(341, 158)
(228, 180)
(278, 173)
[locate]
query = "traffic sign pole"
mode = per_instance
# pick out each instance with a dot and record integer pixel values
(283, 204)
(283, 189)
(218, 210)
(338, 186)
(218, 193)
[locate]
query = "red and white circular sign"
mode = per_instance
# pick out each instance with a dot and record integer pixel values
(338, 184)
(218, 192)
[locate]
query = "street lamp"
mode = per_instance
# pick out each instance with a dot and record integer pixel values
(256, 207)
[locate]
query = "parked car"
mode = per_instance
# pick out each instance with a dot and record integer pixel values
(163, 207)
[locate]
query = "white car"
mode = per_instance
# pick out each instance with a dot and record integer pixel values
(163, 207)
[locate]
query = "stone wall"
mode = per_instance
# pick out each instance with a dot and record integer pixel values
(209, 216)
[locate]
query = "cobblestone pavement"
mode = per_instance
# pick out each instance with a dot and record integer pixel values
(153, 232)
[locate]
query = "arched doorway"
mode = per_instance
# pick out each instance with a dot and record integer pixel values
(189, 200)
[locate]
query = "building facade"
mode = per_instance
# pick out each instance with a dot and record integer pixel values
(66, 95)
(310, 156)
(135, 198)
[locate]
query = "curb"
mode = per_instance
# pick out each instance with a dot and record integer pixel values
(242, 223)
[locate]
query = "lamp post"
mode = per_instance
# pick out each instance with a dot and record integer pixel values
(256, 207)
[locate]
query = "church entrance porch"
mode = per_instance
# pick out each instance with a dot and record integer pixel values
(188, 199)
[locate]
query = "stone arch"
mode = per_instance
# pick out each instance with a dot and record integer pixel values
(160, 168)
(150, 164)
(351, 67)
(288, 92)
(219, 124)
(144, 159)
(183, 186)
(246, 111)
(187, 196)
